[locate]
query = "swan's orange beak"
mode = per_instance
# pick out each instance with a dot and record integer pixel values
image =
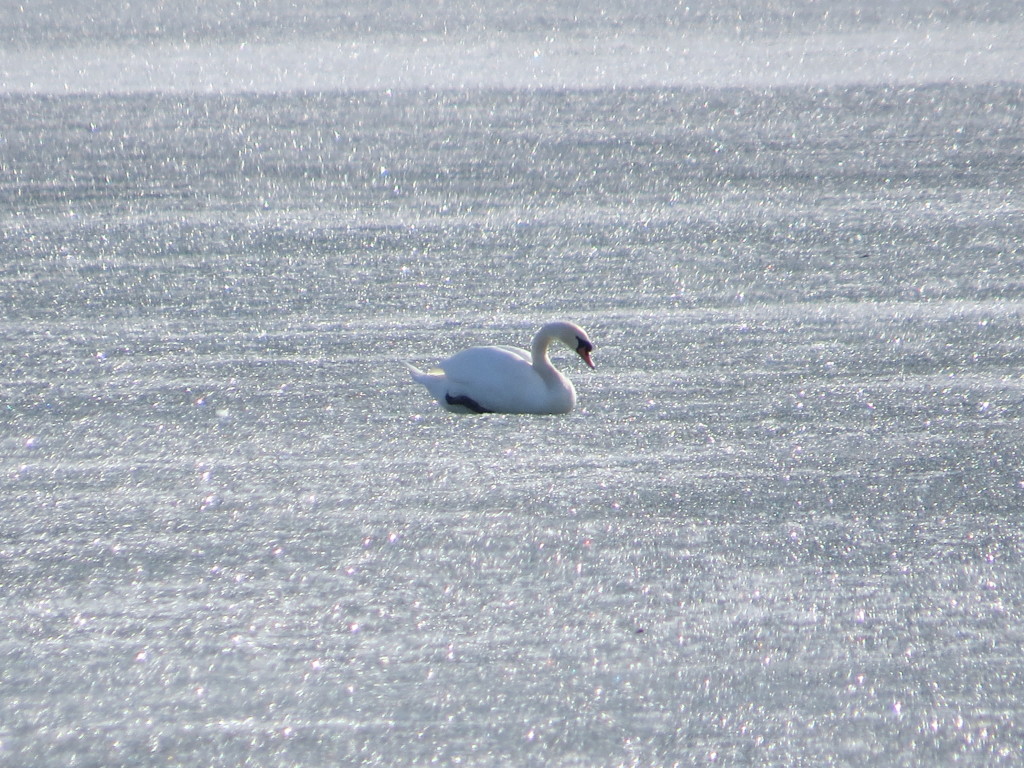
(585, 354)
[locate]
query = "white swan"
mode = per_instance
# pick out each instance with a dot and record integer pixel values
(508, 379)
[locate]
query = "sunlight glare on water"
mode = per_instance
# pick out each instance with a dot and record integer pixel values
(780, 528)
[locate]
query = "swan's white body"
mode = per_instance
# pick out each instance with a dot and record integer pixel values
(508, 379)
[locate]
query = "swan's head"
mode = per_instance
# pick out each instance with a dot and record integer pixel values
(572, 336)
(584, 347)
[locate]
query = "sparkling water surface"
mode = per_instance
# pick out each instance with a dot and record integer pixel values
(781, 528)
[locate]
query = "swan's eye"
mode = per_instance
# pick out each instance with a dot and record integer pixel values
(584, 345)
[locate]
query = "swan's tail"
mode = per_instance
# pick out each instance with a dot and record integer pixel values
(421, 376)
(433, 380)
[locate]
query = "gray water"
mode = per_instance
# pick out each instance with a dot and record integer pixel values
(781, 528)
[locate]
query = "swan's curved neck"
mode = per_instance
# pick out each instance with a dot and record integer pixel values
(541, 361)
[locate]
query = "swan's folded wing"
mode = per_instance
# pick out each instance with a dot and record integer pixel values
(515, 351)
(499, 378)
